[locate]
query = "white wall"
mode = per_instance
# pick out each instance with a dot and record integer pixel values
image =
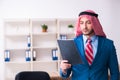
(108, 11)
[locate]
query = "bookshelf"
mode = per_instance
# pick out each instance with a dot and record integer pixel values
(27, 48)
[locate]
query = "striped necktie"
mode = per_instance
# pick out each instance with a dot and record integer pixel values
(89, 52)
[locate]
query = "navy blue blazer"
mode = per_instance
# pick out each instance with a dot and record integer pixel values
(105, 59)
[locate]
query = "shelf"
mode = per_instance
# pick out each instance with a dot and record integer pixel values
(11, 69)
(17, 48)
(45, 47)
(44, 34)
(19, 33)
(41, 66)
(63, 27)
(36, 25)
(16, 42)
(16, 35)
(44, 41)
(17, 56)
(16, 26)
(46, 61)
(44, 54)
(17, 63)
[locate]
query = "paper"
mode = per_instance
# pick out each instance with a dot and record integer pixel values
(69, 51)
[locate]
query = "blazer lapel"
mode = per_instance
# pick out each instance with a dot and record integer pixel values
(100, 44)
(80, 46)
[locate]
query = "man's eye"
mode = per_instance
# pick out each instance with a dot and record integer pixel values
(81, 22)
(88, 22)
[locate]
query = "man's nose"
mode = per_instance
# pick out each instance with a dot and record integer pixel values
(85, 25)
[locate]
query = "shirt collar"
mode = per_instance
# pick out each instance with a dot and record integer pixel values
(92, 38)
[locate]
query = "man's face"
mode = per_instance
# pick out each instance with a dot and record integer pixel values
(86, 26)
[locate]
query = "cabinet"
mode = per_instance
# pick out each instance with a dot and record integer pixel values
(63, 30)
(43, 43)
(27, 48)
(15, 45)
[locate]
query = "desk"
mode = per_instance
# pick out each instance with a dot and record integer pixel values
(56, 76)
(59, 78)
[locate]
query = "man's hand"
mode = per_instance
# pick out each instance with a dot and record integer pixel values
(65, 65)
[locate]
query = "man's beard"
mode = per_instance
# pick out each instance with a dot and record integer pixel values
(90, 33)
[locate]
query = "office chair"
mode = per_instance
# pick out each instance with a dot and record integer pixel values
(119, 75)
(32, 75)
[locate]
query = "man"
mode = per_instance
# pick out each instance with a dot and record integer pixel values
(98, 53)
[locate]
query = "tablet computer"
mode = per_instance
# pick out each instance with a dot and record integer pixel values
(69, 51)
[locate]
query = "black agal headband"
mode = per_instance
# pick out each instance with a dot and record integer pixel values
(88, 13)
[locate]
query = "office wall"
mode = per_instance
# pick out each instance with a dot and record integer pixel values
(108, 11)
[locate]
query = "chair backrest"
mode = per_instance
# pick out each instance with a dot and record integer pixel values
(119, 75)
(32, 75)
